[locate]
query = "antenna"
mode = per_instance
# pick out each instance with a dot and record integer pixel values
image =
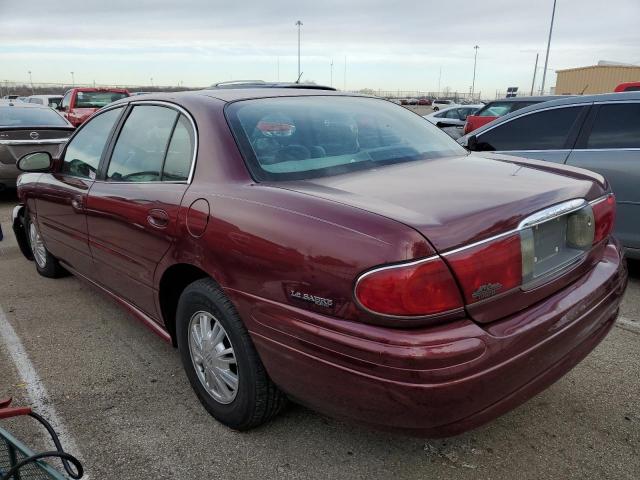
(299, 77)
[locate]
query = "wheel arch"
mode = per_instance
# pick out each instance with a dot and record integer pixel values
(172, 283)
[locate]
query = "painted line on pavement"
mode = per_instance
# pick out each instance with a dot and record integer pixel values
(41, 403)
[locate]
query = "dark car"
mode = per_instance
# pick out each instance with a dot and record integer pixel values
(499, 108)
(24, 128)
(596, 132)
(334, 249)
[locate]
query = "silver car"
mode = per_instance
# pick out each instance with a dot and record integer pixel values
(597, 132)
(24, 128)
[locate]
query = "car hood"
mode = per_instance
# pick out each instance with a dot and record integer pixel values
(455, 201)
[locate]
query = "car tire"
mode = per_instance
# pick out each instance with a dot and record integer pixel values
(202, 308)
(46, 264)
(435, 109)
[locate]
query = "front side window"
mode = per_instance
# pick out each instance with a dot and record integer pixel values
(290, 138)
(616, 126)
(139, 152)
(83, 153)
(66, 101)
(546, 130)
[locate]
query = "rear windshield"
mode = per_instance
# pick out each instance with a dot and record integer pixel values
(294, 138)
(30, 117)
(498, 109)
(97, 99)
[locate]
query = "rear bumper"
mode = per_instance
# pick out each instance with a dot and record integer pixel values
(441, 380)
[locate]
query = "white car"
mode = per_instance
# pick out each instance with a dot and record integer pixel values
(49, 100)
(452, 116)
(440, 104)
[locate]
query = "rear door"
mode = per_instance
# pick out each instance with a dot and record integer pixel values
(610, 145)
(547, 134)
(134, 204)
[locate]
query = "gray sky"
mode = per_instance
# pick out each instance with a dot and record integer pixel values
(388, 45)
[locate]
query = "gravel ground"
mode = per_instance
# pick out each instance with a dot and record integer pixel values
(123, 397)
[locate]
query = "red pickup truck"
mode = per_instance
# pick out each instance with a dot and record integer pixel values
(78, 104)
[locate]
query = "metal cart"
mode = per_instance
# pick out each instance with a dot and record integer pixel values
(18, 462)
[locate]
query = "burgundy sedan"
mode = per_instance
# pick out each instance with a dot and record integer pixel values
(333, 249)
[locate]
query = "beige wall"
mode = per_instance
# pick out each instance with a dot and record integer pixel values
(598, 79)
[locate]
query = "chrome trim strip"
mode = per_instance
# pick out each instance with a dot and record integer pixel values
(621, 149)
(52, 141)
(552, 212)
(480, 242)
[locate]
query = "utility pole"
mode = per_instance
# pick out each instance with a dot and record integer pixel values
(535, 69)
(439, 79)
(31, 82)
(278, 68)
(331, 84)
(299, 25)
(546, 60)
(475, 61)
(73, 79)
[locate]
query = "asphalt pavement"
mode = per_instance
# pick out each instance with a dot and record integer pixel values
(120, 395)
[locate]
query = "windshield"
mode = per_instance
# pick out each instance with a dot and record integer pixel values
(293, 138)
(30, 117)
(97, 99)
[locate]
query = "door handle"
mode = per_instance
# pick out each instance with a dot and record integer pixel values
(158, 218)
(77, 204)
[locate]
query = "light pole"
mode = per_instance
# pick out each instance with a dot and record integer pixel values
(331, 84)
(299, 25)
(151, 82)
(475, 62)
(73, 79)
(31, 82)
(546, 60)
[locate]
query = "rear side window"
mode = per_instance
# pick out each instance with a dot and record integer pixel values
(616, 126)
(180, 153)
(634, 88)
(546, 130)
(83, 153)
(36, 100)
(139, 152)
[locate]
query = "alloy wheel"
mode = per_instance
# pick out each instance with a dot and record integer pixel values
(37, 246)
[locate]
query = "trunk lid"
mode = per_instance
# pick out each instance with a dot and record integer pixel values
(17, 142)
(455, 202)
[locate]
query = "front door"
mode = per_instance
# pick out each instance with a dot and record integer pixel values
(133, 208)
(61, 200)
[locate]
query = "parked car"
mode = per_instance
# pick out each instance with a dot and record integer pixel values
(25, 128)
(11, 97)
(424, 101)
(628, 87)
(493, 110)
(440, 104)
(335, 249)
(78, 104)
(52, 101)
(452, 116)
(596, 132)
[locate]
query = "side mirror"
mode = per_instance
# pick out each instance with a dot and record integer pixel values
(472, 143)
(35, 162)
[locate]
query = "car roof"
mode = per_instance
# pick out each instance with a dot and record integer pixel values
(46, 96)
(228, 95)
(456, 107)
(263, 84)
(566, 100)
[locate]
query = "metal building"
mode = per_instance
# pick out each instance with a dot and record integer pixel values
(601, 78)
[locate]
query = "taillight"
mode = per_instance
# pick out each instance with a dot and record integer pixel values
(604, 212)
(424, 287)
(488, 268)
(467, 127)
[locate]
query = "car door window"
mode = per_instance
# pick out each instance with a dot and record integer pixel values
(82, 156)
(453, 113)
(66, 100)
(177, 163)
(139, 152)
(35, 100)
(546, 130)
(616, 126)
